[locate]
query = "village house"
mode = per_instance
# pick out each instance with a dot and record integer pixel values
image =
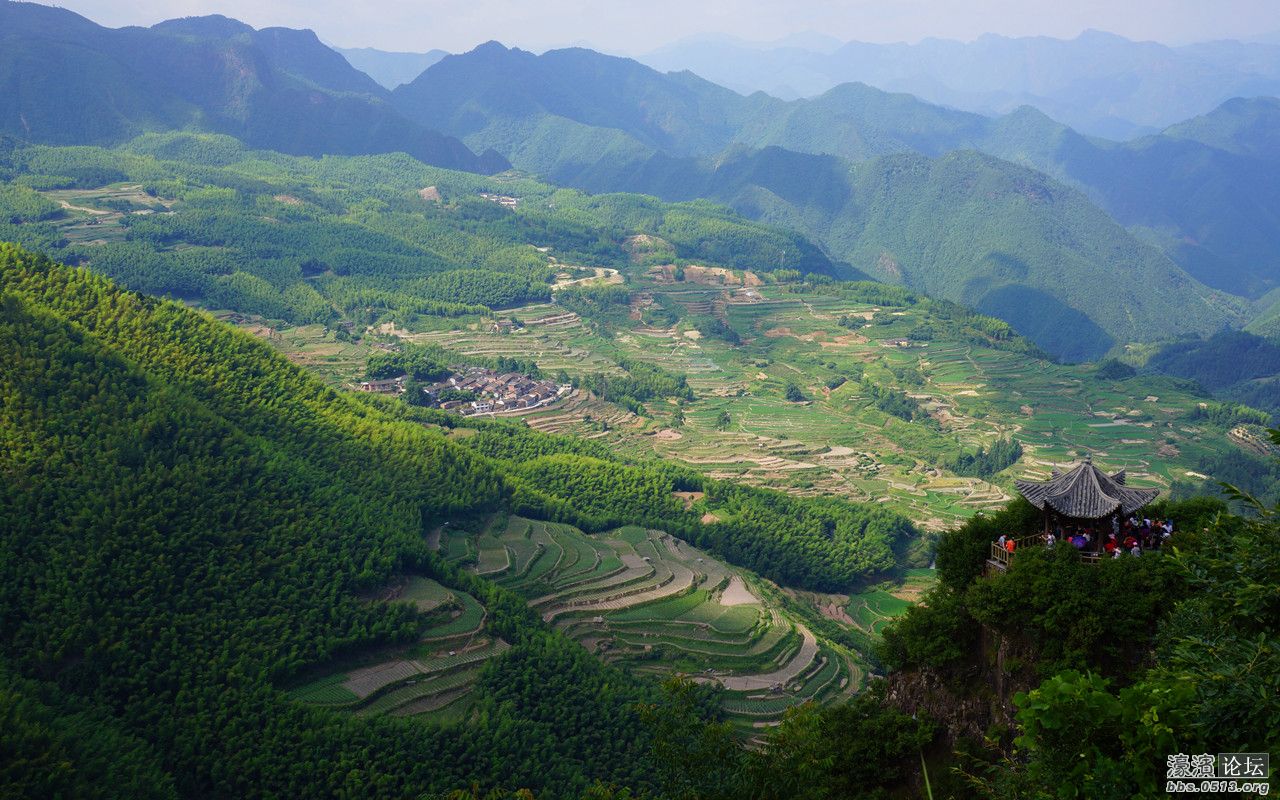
(387, 386)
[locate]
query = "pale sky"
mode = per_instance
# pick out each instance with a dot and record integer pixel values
(637, 26)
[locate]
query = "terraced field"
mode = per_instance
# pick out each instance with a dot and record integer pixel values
(836, 442)
(96, 216)
(433, 676)
(638, 598)
(654, 604)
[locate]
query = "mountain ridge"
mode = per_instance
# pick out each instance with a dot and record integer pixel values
(275, 88)
(741, 159)
(1097, 82)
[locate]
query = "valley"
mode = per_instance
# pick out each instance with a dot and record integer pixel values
(501, 425)
(835, 442)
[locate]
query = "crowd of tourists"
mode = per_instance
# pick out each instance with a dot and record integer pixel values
(1131, 536)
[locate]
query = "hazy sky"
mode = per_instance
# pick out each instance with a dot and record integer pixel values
(636, 26)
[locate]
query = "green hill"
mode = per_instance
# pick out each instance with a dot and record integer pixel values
(481, 94)
(1246, 127)
(1203, 191)
(967, 227)
(1266, 317)
(197, 217)
(189, 521)
(74, 82)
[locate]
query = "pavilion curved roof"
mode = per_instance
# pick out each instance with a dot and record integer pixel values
(1085, 492)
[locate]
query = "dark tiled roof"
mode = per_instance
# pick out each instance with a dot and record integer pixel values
(1085, 492)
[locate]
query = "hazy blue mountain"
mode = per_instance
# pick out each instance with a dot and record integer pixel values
(1244, 127)
(786, 71)
(1207, 191)
(605, 124)
(496, 95)
(1098, 83)
(857, 121)
(389, 69)
(297, 53)
(71, 81)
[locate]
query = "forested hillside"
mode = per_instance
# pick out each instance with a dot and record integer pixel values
(204, 218)
(498, 95)
(1237, 367)
(976, 230)
(246, 505)
(1203, 191)
(1047, 688)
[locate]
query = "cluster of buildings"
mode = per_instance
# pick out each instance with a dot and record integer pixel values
(504, 200)
(477, 390)
(496, 392)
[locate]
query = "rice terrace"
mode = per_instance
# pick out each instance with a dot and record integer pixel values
(638, 598)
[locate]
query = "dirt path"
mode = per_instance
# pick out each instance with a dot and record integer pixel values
(607, 274)
(95, 211)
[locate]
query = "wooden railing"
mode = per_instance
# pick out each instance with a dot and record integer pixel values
(1003, 557)
(1000, 555)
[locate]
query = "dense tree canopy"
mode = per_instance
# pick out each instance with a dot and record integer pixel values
(189, 520)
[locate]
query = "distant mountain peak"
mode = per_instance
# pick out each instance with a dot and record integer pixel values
(492, 46)
(1096, 35)
(213, 26)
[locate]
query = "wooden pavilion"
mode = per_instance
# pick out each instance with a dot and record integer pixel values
(1082, 498)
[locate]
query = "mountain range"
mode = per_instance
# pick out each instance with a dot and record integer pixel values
(1194, 205)
(1083, 243)
(70, 81)
(1098, 83)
